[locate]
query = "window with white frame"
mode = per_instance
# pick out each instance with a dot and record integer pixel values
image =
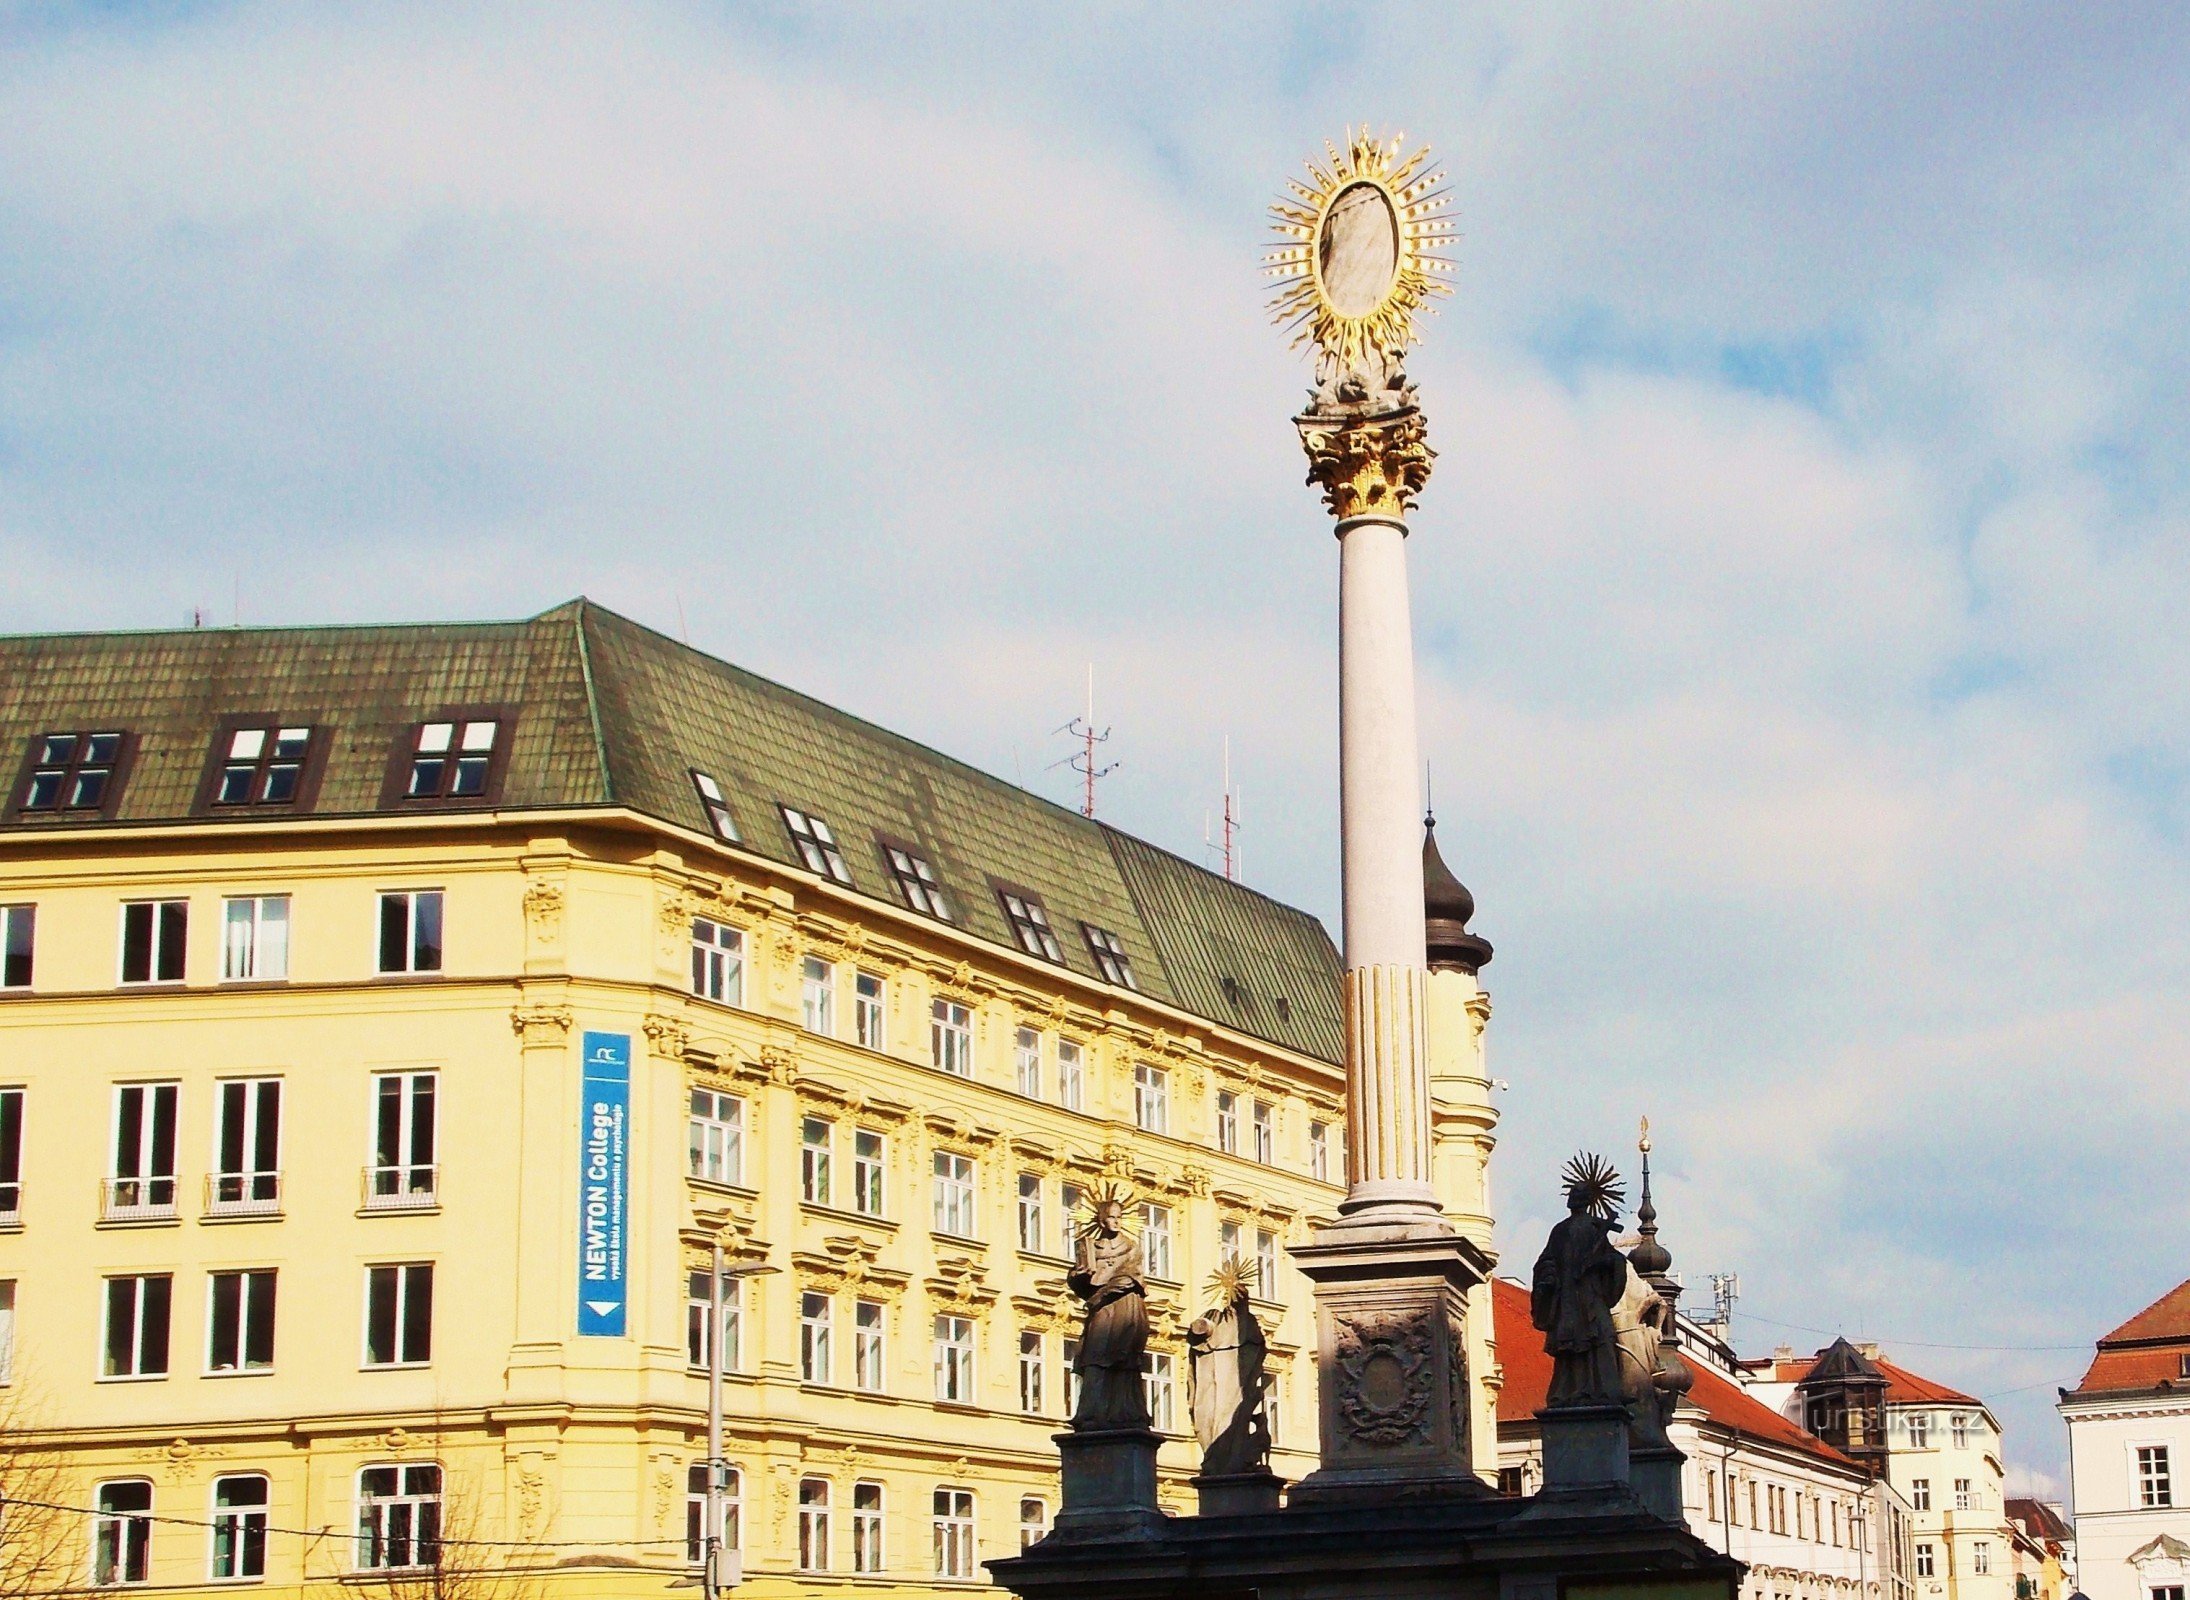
(399, 1517)
(399, 1314)
(405, 1114)
(246, 1146)
(698, 1350)
(7, 1330)
(1264, 1123)
(18, 945)
(141, 1180)
(917, 882)
(1151, 1098)
(954, 1195)
(866, 1527)
(817, 996)
(1273, 1409)
(1030, 1212)
(1961, 1494)
(813, 1524)
(870, 1012)
(1926, 1561)
(1110, 957)
(816, 1324)
(1070, 1365)
(954, 1550)
(1230, 1246)
(1026, 1062)
(1958, 1430)
(1033, 1521)
(870, 1371)
(868, 1168)
(950, 1038)
(1071, 1075)
(718, 961)
(1030, 924)
(1161, 1386)
(1919, 1423)
(1072, 1212)
(1033, 1371)
(695, 1513)
(716, 805)
(262, 767)
(155, 940)
(72, 771)
(451, 760)
(239, 1317)
(1319, 1151)
(715, 1137)
(1156, 1239)
(410, 931)
(2155, 1477)
(1266, 1264)
(816, 844)
(815, 1136)
(954, 1359)
(137, 1325)
(239, 1527)
(1980, 1558)
(1228, 1122)
(121, 1533)
(255, 938)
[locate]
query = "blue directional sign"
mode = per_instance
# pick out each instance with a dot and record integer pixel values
(604, 1186)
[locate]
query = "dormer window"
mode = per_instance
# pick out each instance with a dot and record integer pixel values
(716, 807)
(916, 880)
(1030, 924)
(452, 760)
(262, 766)
(815, 844)
(1110, 957)
(72, 772)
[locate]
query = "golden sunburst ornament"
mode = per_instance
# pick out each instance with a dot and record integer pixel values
(1360, 262)
(1107, 1193)
(1228, 1285)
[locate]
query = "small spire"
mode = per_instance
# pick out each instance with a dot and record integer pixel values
(1447, 906)
(1651, 1258)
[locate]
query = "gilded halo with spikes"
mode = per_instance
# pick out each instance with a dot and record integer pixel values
(1590, 1179)
(1229, 1284)
(1107, 1193)
(1360, 261)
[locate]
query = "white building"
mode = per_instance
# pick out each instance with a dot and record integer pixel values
(2128, 1430)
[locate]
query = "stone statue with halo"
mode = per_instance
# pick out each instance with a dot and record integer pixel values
(1106, 1273)
(1578, 1280)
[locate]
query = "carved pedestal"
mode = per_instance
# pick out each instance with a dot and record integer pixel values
(1586, 1463)
(1109, 1484)
(1392, 1352)
(1238, 1494)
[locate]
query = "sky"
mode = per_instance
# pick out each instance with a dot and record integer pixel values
(1798, 595)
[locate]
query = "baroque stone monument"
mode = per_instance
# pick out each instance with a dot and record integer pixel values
(1229, 1358)
(1109, 1455)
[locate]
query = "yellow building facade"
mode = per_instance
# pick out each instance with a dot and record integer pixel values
(328, 1265)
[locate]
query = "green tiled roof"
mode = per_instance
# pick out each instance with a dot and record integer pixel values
(606, 712)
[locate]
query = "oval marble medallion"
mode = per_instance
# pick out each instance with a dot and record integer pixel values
(1357, 250)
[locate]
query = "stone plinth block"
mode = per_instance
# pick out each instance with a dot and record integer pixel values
(1655, 1474)
(1585, 1447)
(1109, 1484)
(1239, 1494)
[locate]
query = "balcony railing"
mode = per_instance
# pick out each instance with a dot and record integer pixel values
(243, 1194)
(11, 1205)
(139, 1199)
(414, 1187)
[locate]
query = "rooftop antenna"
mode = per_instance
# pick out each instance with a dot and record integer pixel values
(1725, 1290)
(1227, 840)
(1082, 760)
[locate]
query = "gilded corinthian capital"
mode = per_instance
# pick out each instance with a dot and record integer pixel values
(1368, 450)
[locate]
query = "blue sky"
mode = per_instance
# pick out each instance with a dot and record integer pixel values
(1799, 592)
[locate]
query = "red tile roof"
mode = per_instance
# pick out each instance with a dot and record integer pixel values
(2146, 1351)
(1527, 1371)
(2039, 1520)
(2168, 1317)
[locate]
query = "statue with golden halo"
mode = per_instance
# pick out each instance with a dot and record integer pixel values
(1106, 1273)
(1229, 1358)
(1578, 1281)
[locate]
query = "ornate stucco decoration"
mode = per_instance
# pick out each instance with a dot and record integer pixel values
(541, 1024)
(1369, 455)
(668, 1037)
(1383, 1368)
(543, 909)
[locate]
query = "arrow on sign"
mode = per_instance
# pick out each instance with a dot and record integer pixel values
(602, 1308)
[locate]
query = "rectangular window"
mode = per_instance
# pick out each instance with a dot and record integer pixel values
(950, 1038)
(815, 844)
(917, 882)
(868, 1167)
(404, 1174)
(451, 760)
(1920, 1494)
(1033, 1372)
(1033, 1522)
(1926, 1562)
(816, 1135)
(1030, 925)
(1071, 1075)
(1026, 1062)
(1510, 1486)
(715, 1138)
(870, 1012)
(121, 1535)
(1070, 1366)
(399, 1314)
(7, 1330)
(1156, 1239)
(1151, 1099)
(1161, 1386)
(1980, 1558)
(410, 931)
(1030, 1212)
(1229, 1245)
(697, 1348)
(141, 1182)
(246, 1147)
(954, 1197)
(155, 937)
(1266, 1264)
(262, 767)
(868, 1370)
(137, 1326)
(1919, 1431)
(1273, 1409)
(816, 1325)
(1071, 1206)
(695, 1511)
(817, 996)
(72, 772)
(240, 1321)
(719, 820)
(1228, 1122)
(866, 1527)
(11, 1158)
(1110, 957)
(399, 1517)
(954, 1533)
(1958, 1430)
(1319, 1151)
(239, 1526)
(1265, 1131)
(18, 942)
(954, 1359)
(718, 962)
(813, 1524)
(1961, 1494)
(2155, 1477)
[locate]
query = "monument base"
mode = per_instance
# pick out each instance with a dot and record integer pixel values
(1239, 1494)
(1109, 1485)
(1655, 1473)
